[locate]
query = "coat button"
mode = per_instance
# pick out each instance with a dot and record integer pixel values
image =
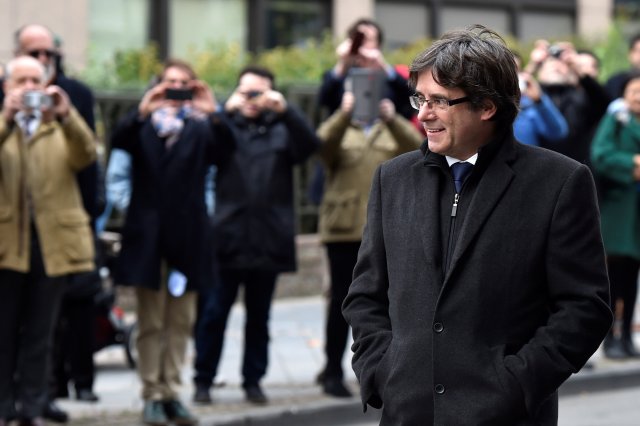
(439, 389)
(438, 327)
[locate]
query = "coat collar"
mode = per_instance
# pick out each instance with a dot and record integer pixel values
(494, 174)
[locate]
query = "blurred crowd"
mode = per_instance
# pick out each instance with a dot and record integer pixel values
(206, 190)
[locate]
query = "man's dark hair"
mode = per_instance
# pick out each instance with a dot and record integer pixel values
(177, 63)
(260, 71)
(634, 40)
(353, 29)
(628, 77)
(590, 53)
(477, 61)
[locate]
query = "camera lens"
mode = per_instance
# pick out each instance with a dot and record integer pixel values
(555, 51)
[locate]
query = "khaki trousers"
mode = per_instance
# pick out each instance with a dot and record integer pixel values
(165, 324)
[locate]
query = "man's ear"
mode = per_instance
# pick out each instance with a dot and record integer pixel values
(488, 110)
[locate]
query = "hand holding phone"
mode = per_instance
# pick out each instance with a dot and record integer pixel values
(178, 94)
(356, 43)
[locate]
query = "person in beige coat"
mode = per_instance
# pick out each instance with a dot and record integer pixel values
(44, 230)
(350, 153)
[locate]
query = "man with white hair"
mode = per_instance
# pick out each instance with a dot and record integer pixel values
(72, 360)
(44, 230)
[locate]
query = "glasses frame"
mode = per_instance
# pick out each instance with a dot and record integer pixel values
(35, 53)
(441, 104)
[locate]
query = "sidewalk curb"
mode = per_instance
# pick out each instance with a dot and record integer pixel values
(320, 413)
(602, 380)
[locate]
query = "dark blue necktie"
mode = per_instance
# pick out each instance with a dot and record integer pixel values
(460, 171)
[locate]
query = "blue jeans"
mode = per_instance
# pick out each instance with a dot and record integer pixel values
(215, 306)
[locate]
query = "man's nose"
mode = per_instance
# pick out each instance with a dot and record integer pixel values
(425, 113)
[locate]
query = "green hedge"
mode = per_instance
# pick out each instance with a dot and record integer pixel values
(219, 63)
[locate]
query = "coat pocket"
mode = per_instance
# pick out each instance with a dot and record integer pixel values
(340, 210)
(5, 218)
(511, 389)
(74, 235)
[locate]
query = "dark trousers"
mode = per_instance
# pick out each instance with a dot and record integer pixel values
(216, 303)
(342, 260)
(29, 304)
(623, 279)
(74, 345)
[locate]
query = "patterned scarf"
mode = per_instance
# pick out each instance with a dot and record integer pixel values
(169, 122)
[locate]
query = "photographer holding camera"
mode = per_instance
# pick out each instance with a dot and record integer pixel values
(44, 230)
(363, 49)
(574, 91)
(253, 223)
(166, 251)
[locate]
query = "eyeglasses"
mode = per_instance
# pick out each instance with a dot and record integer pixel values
(37, 52)
(252, 94)
(441, 104)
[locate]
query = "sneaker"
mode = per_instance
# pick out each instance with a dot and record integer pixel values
(178, 413)
(202, 395)
(255, 394)
(153, 414)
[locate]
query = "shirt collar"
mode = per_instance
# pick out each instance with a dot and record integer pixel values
(453, 160)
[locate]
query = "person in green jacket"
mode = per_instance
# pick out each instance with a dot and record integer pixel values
(615, 155)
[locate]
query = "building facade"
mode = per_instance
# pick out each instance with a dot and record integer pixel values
(95, 29)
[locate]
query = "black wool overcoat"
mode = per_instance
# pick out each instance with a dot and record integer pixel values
(167, 217)
(522, 306)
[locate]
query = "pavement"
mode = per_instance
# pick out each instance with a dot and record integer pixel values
(296, 356)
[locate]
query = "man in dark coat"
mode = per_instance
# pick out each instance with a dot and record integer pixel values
(572, 85)
(475, 297)
(253, 223)
(166, 252)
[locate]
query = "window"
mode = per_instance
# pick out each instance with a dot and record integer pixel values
(115, 25)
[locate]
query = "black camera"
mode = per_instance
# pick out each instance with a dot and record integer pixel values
(555, 50)
(178, 94)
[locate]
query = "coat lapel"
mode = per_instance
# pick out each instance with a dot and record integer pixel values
(492, 185)
(426, 214)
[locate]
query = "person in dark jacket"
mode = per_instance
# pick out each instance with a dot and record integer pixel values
(165, 246)
(575, 92)
(253, 223)
(615, 83)
(481, 265)
(370, 37)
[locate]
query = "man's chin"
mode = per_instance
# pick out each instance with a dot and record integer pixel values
(437, 146)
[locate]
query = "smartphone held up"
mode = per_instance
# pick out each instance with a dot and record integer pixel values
(356, 43)
(178, 94)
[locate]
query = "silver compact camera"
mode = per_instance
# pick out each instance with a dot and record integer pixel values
(36, 100)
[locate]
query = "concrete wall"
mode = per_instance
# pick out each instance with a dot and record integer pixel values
(347, 12)
(594, 18)
(67, 18)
